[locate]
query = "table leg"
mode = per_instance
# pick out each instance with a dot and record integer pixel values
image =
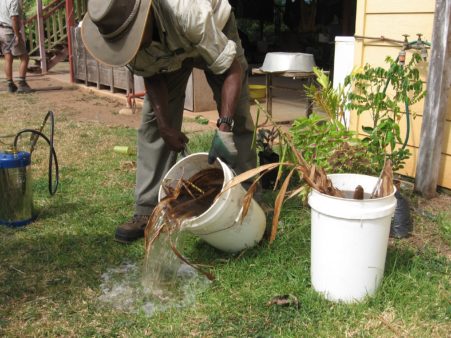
(309, 100)
(269, 94)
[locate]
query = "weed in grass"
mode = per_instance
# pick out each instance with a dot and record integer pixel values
(444, 223)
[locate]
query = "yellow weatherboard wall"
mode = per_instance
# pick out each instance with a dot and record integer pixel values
(392, 19)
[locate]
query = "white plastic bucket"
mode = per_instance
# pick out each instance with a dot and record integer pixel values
(220, 225)
(349, 240)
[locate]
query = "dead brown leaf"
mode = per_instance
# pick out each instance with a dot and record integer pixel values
(247, 199)
(284, 300)
(278, 206)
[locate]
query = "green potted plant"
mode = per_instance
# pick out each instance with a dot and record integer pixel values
(386, 95)
(349, 237)
(323, 136)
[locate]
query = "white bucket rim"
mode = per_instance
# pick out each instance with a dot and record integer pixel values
(349, 208)
(351, 199)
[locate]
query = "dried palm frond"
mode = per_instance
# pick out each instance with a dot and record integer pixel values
(188, 198)
(278, 206)
(252, 173)
(247, 199)
(384, 185)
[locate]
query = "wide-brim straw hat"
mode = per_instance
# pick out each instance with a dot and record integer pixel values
(112, 30)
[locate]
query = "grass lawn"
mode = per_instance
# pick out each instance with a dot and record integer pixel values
(51, 271)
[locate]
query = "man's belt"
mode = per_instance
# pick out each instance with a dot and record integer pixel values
(4, 25)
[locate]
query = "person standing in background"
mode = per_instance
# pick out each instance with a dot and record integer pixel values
(12, 44)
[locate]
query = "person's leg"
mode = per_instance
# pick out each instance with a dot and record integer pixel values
(8, 68)
(21, 51)
(243, 129)
(6, 40)
(154, 157)
(23, 66)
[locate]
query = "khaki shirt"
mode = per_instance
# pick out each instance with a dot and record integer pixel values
(187, 29)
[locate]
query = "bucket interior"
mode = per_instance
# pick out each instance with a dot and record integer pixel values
(348, 182)
(189, 166)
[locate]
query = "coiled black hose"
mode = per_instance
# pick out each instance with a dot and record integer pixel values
(52, 154)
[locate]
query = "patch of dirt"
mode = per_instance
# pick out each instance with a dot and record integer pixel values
(431, 221)
(434, 215)
(87, 105)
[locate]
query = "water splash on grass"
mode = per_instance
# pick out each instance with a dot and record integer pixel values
(130, 288)
(164, 281)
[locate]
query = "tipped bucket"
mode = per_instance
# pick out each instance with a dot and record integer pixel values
(220, 225)
(349, 240)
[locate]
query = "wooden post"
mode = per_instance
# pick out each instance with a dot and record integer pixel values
(439, 82)
(41, 37)
(98, 74)
(85, 59)
(112, 80)
(69, 24)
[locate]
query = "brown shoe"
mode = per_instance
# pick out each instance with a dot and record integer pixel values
(132, 229)
(12, 88)
(23, 88)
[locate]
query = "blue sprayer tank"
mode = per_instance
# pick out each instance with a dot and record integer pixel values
(16, 195)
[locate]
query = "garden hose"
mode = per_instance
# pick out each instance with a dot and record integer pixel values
(406, 140)
(35, 134)
(401, 226)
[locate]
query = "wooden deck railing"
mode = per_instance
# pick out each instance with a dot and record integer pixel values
(54, 25)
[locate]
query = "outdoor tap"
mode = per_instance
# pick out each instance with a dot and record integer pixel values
(422, 47)
(419, 41)
(424, 53)
(406, 42)
(402, 53)
(402, 57)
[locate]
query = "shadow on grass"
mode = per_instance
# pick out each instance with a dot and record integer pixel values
(398, 260)
(36, 263)
(50, 213)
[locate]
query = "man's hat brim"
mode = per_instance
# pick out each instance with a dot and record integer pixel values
(122, 50)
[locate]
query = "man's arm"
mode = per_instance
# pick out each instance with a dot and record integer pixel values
(223, 145)
(218, 52)
(16, 27)
(230, 92)
(156, 88)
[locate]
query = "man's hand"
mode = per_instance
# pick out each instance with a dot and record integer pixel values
(17, 40)
(223, 147)
(174, 139)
